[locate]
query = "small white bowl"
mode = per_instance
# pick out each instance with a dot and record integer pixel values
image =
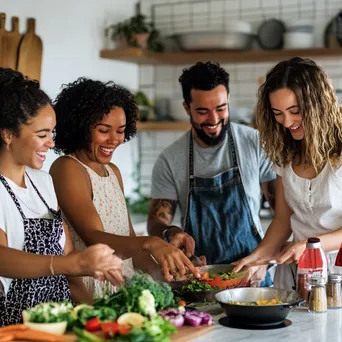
(58, 328)
(298, 40)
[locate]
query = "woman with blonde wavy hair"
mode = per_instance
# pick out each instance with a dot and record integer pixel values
(300, 124)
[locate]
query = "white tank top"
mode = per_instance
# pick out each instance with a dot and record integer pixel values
(110, 204)
(316, 203)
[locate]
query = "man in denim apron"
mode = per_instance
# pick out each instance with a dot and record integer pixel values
(213, 173)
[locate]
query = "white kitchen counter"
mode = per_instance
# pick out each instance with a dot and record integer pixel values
(305, 327)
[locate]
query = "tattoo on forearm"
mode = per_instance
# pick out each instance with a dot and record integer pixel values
(164, 210)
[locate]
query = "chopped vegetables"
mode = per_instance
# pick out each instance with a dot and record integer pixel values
(182, 302)
(260, 302)
(50, 312)
(181, 317)
(198, 286)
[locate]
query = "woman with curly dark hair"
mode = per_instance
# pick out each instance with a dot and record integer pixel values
(33, 238)
(93, 119)
(300, 124)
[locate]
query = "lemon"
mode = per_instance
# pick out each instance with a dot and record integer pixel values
(77, 308)
(132, 318)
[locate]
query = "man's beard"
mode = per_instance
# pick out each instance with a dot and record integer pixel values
(211, 140)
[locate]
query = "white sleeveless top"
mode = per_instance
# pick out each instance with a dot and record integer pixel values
(110, 204)
(316, 203)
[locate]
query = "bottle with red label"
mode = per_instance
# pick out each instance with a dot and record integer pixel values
(313, 262)
(338, 262)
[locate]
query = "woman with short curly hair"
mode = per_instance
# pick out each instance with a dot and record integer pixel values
(93, 119)
(300, 124)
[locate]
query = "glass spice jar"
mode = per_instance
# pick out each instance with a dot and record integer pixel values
(333, 289)
(318, 295)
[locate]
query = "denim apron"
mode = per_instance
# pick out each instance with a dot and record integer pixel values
(41, 236)
(218, 214)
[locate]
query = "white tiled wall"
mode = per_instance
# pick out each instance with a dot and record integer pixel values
(162, 81)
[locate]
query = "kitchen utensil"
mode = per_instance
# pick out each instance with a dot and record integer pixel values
(203, 41)
(265, 315)
(197, 260)
(2, 36)
(262, 262)
(30, 52)
(270, 34)
(11, 43)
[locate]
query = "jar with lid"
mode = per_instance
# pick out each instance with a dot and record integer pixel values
(318, 295)
(333, 289)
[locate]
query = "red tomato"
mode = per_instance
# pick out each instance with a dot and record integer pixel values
(110, 329)
(93, 324)
(124, 329)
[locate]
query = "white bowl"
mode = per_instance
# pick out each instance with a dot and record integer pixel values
(177, 110)
(298, 40)
(58, 328)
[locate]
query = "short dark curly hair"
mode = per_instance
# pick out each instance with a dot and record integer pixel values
(202, 76)
(82, 104)
(20, 99)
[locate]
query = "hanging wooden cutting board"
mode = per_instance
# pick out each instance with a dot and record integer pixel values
(2, 36)
(11, 43)
(30, 52)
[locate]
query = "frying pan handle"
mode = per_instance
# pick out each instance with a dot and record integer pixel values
(293, 305)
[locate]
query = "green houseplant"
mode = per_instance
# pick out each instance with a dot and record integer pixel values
(137, 32)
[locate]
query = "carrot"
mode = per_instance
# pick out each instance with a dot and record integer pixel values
(6, 338)
(13, 327)
(38, 336)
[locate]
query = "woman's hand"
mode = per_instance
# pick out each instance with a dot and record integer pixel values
(171, 259)
(290, 253)
(98, 261)
(255, 265)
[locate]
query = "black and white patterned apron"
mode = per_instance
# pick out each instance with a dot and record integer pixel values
(41, 236)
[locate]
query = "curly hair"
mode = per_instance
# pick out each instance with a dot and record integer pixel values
(82, 104)
(20, 99)
(321, 115)
(202, 76)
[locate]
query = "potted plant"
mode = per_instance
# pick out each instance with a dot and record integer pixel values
(136, 31)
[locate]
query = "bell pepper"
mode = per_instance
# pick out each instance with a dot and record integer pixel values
(110, 329)
(93, 325)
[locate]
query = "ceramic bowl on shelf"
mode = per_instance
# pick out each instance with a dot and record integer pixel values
(177, 111)
(298, 40)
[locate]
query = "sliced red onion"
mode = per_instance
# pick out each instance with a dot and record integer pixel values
(176, 320)
(192, 319)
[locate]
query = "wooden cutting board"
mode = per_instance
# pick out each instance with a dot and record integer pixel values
(11, 41)
(30, 52)
(188, 333)
(184, 334)
(2, 36)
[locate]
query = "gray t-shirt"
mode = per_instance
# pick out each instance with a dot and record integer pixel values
(170, 176)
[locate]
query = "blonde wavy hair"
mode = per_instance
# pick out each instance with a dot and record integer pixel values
(321, 115)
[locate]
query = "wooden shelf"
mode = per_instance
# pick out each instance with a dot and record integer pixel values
(163, 126)
(139, 56)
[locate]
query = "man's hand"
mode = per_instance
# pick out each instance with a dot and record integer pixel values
(184, 242)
